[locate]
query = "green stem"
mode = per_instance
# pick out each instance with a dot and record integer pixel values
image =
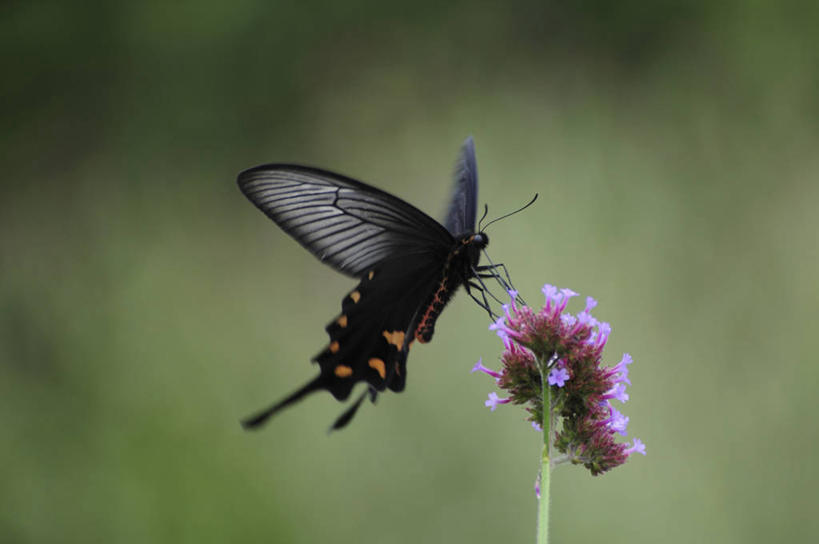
(545, 472)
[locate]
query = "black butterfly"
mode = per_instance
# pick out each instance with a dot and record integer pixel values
(409, 266)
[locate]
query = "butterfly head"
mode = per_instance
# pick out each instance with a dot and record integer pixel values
(480, 240)
(474, 244)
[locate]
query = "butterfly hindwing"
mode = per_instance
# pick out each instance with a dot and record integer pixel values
(369, 340)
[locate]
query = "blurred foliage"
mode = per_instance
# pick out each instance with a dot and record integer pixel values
(146, 306)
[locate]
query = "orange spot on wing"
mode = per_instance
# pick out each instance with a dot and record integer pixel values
(378, 365)
(343, 371)
(355, 296)
(371, 274)
(342, 321)
(334, 347)
(396, 338)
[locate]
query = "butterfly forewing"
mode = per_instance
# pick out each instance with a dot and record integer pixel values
(345, 223)
(460, 217)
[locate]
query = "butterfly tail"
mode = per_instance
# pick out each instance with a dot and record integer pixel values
(257, 420)
(348, 414)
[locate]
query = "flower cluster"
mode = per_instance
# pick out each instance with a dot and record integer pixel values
(564, 350)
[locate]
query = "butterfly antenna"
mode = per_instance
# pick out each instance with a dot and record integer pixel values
(256, 421)
(510, 213)
(485, 211)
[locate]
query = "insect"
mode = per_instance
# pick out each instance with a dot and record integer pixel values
(408, 264)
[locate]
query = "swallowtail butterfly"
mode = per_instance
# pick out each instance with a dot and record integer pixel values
(408, 266)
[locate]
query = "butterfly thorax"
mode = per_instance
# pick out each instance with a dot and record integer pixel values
(457, 270)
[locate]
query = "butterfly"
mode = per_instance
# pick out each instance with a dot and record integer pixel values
(408, 266)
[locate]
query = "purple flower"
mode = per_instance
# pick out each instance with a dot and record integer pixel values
(513, 294)
(568, 320)
(621, 369)
(493, 401)
(638, 447)
(618, 422)
(568, 293)
(605, 330)
(499, 327)
(549, 291)
(584, 319)
(502, 330)
(582, 387)
(558, 376)
(617, 392)
(479, 367)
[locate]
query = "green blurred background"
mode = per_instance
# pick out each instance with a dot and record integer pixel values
(147, 307)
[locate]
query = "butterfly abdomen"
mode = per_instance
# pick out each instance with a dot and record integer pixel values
(434, 305)
(457, 271)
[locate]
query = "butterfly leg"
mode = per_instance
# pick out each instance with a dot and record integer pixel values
(491, 272)
(506, 287)
(492, 268)
(484, 303)
(478, 276)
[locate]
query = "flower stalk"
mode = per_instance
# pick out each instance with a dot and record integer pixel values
(545, 462)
